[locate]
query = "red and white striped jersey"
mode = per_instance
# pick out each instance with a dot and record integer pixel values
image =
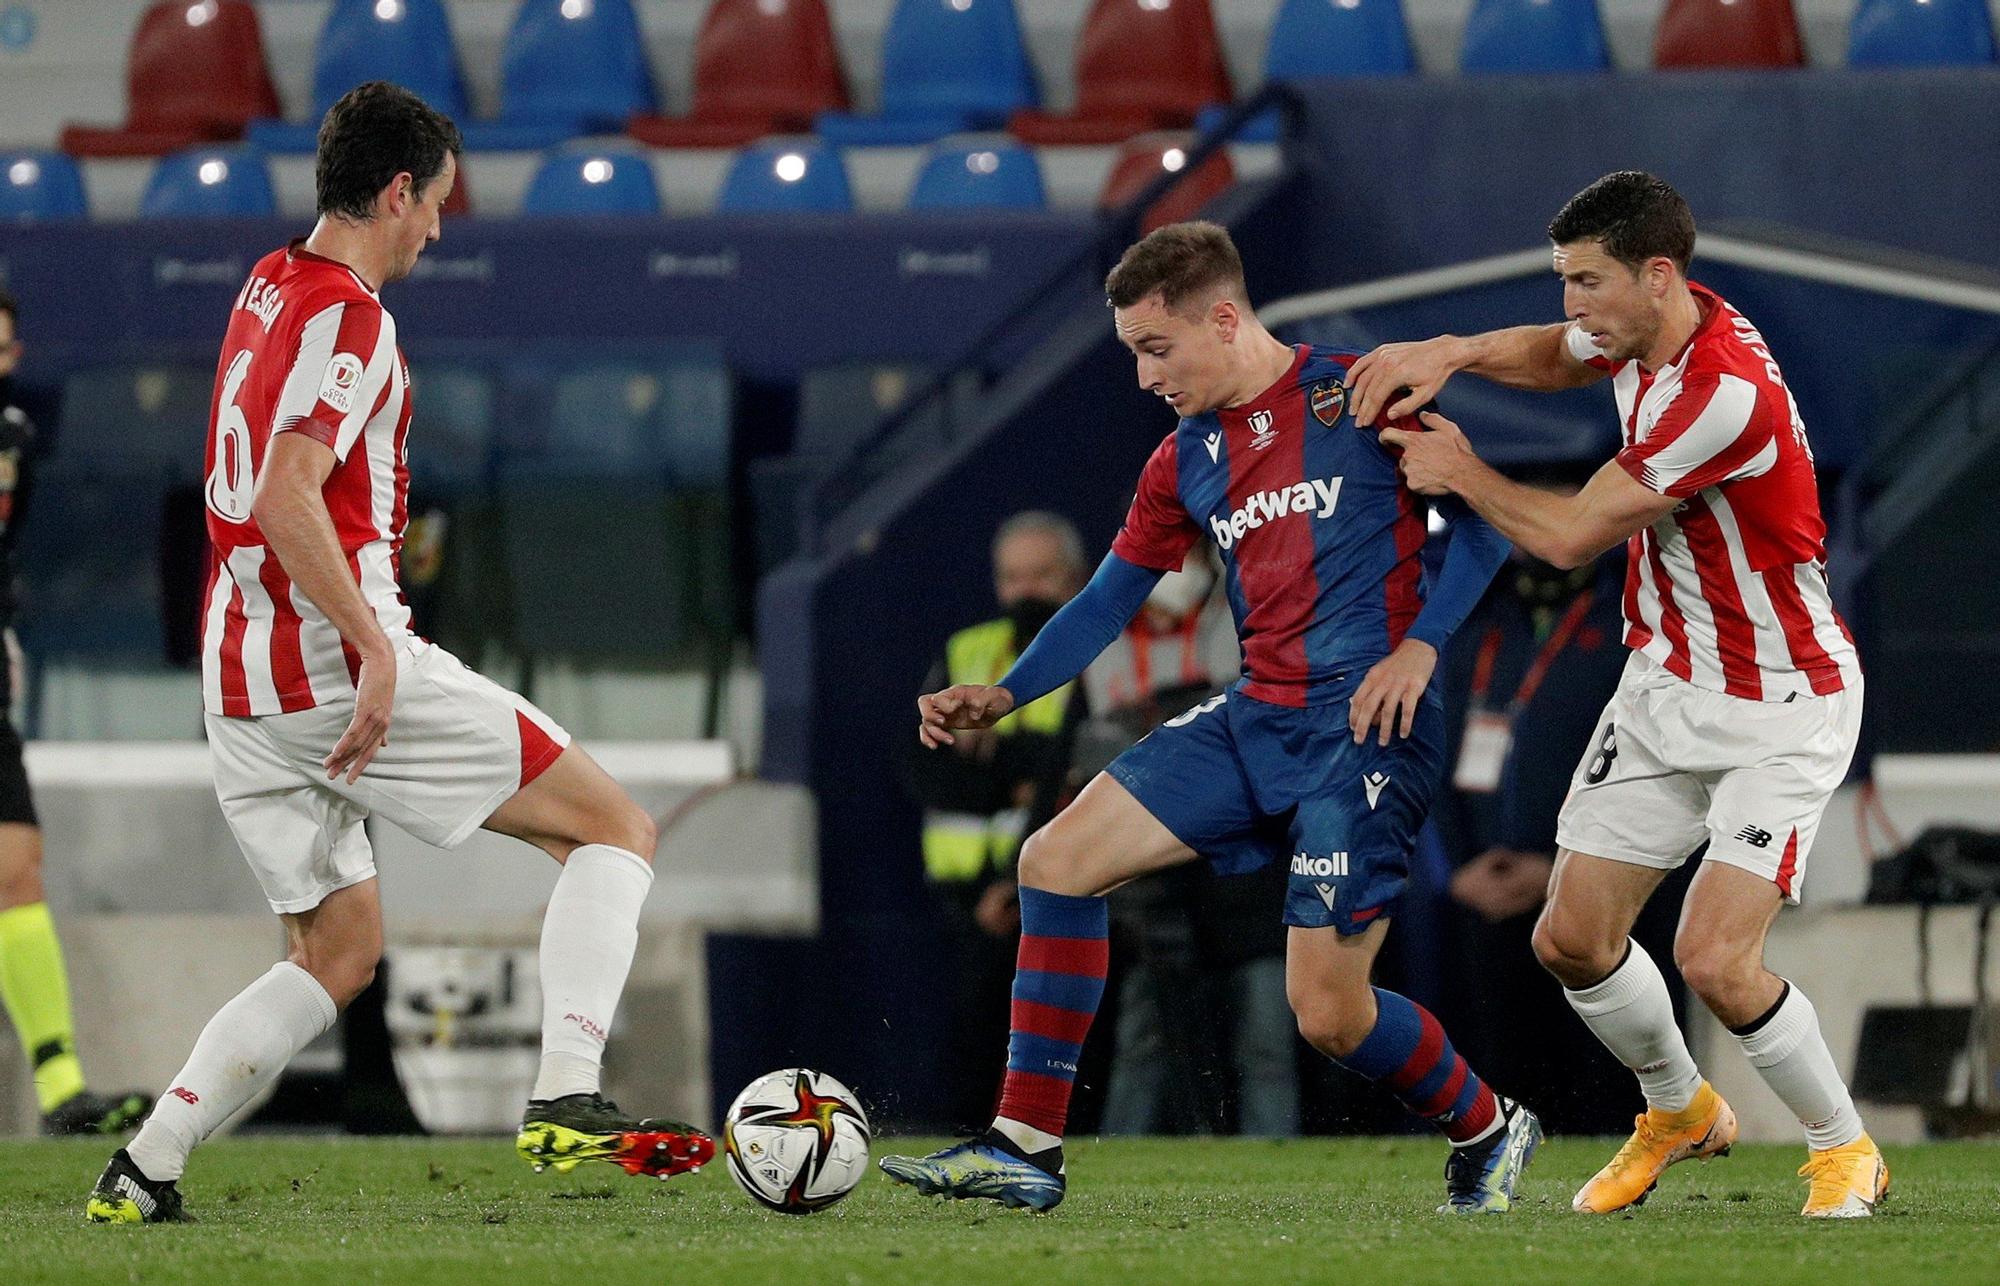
(309, 350)
(1729, 590)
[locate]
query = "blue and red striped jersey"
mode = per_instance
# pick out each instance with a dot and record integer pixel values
(1321, 542)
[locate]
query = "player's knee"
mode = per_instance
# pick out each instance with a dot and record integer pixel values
(1573, 954)
(1333, 1023)
(641, 834)
(1718, 972)
(344, 973)
(1044, 863)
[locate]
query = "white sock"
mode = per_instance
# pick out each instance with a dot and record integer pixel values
(242, 1050)
(1633, 1015)
(1788, 1051)
(588, 937)
(1026, 1137)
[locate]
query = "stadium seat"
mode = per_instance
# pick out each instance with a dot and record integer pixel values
(760, 67)
(90, 561)
(979, 173)
(1528, 36)
(1920, 33)
(1728, 33)
(947, 66)
(1312, 39)
(38, 186)
(1145, 158)
(785, 176)
(405, 41)
(195, 74)
(205, 182)
(668, 419)
(452, 451)
(584, 182)
(569, 67)
(1140, 65)
(152, 416)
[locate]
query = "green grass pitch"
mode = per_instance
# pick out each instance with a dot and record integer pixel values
(346, 1211)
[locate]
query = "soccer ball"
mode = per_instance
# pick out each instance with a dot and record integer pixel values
(797, 1140)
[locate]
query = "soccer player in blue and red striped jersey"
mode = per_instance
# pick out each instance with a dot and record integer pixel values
(1324, 755)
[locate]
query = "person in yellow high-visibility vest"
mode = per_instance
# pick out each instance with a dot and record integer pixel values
(979, 801)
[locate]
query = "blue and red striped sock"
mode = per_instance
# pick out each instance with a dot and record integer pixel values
(1408, 1054)
(1058, 982)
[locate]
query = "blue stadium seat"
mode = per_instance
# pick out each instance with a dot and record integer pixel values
(582, 182)
(405, 41)
(786, 175)
(37, 186)
(947, 66)
(1534, 36)
(664, 418)
(979, 173)
(452, 449)
(1920, 33)
(207, 182)
(570, 67)
(1318, 38)
(152, 416)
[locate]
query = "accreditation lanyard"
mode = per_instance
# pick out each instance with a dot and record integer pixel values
(1489, 733)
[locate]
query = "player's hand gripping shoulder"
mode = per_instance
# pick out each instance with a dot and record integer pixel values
(962, 707)
(1394, 380)
(1390, 693)
(1432, 460)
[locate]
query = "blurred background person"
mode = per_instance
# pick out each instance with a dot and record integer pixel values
(1524, 683)
(989, 791)
(1189, 944)
(34, 986)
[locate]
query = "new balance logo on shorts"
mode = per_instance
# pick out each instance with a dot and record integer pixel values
(1756, 836)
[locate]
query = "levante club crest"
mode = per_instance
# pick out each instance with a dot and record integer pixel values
(1328, 399)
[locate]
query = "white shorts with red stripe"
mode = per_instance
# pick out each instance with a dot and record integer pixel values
(460, 745)
(1673, 765)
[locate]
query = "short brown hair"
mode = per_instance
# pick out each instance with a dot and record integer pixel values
(1634, 215)
(1185, 262)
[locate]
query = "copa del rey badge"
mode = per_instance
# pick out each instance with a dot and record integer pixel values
(1328, 399)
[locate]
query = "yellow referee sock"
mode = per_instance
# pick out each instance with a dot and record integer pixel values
(36, 992)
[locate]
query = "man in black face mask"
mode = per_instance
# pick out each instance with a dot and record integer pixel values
(993, 788)
(34, 988)
(1524, 681)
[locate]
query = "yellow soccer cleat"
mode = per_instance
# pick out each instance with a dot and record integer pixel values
(1846, 1181)
(1705, 1129)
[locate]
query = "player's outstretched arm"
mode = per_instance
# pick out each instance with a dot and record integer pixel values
(290, 509)
(1567, 531)
(1071, 640)
(1529, 357)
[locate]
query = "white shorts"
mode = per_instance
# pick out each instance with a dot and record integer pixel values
(460, 745)
(1673, 765)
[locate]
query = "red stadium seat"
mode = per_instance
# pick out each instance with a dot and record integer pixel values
(760, 67)
(196, 74)
(1140, 65)
(1147, 156)
(1729, 33)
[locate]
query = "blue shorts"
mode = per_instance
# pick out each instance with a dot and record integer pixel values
(1243, 783)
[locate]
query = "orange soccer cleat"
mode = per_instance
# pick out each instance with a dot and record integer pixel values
(1704, 1129)
(1847, 1181)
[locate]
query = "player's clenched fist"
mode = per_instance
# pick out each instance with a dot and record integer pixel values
(964, 706)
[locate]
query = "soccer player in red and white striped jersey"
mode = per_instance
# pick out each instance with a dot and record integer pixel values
(324, 707)
(1741, 706)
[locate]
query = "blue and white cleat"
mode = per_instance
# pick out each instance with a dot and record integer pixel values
(1480, 1179)
(980, 1168)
